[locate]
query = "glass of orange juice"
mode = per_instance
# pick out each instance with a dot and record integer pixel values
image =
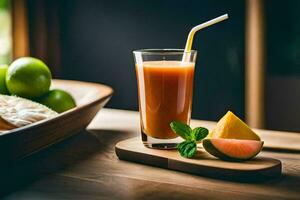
(165, 90)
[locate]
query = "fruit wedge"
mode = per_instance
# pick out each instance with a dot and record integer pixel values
(231, 127)
(232, 149)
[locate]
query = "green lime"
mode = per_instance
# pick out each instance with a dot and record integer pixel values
(58, 100)
(28, 77)
(3, 70)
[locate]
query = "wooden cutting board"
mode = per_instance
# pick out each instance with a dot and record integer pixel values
(260, 168)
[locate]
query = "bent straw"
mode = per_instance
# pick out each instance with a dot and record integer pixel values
(190, 38)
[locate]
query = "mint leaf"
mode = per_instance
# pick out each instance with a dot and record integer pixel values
(187, 148)
(192, 151)
(181, 129)
(199, 133)
(181, 146)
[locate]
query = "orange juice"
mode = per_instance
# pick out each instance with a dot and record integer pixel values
(165, 95)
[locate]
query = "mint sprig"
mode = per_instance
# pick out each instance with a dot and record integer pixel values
(188, 148)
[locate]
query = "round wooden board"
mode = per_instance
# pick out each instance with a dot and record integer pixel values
(260, 168)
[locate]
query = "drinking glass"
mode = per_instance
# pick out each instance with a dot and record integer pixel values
(165, 89)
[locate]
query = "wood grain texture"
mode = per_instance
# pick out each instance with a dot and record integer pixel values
(22, 141)
(86, 167)
(273, 140)
(260, 168)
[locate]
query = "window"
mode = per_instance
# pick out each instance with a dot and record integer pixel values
(5, 32)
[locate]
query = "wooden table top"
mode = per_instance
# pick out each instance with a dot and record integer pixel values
(86, 167)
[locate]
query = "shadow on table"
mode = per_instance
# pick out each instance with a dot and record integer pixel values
(74, 149)
(288, 182)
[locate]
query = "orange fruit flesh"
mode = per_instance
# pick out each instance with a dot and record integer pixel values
(238, 148)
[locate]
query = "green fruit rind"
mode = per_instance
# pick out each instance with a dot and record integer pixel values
(217, 152)
(28, 77)
(58, 100)
(3, 88)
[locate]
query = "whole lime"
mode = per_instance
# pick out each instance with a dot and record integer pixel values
(58, 100)
(3, 70)
(28, 77)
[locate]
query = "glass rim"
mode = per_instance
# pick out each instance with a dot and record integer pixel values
(163, 51)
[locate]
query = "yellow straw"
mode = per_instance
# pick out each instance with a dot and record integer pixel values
(190, 38)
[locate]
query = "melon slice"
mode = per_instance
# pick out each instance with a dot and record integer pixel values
(231, 127)
(232, 149)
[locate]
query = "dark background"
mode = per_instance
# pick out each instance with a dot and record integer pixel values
(98, 38)
(282, 65)
(95, 40)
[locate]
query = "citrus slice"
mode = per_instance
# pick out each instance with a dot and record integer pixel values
(231, 127)
(232, 149)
